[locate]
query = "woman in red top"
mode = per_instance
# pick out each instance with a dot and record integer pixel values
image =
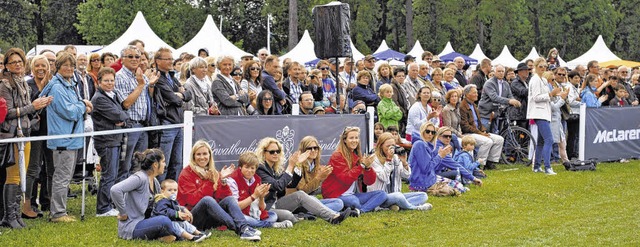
(200, 183)
(343, 181)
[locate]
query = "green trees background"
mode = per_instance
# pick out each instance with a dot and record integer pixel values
(570, 25)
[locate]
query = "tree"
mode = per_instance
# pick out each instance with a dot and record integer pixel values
(16, 25)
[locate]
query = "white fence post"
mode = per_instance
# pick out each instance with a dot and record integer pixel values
(188, 138)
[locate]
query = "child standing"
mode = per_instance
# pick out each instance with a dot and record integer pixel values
(465, 158)
(388, 112)
(246, 187)
(167, 205)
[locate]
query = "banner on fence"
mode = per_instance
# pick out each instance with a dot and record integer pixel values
(610, 133)
(231, 136)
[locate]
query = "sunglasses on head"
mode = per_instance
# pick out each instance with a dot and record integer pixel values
(433, 132)
(272, 152)
(314, 148)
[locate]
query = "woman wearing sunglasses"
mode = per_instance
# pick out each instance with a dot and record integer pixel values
(328, 84)
(251, 81)
(264, 104)
(309, 175)
(271, 159)
(435, 103)
(450, 168)
(344, 183)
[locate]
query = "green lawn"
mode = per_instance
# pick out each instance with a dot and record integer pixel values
(515, 207)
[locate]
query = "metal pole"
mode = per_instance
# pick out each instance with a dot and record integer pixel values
(269, 33)
(339, 111)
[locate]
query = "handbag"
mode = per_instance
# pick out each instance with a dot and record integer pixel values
(580, 165)
(565, 110)
(8, 157)
(35, 121)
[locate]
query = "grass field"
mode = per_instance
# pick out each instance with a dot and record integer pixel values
(515, 207)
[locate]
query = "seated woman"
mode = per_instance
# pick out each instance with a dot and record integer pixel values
(448, 167)
(132, 198)
(200, 183)
(363, 91)
(451, 118)
(271, 157)
(308, 175)
(423, 160)
(390, 168)
(347, 167)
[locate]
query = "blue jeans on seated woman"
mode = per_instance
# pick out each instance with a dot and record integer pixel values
(334, 204)
(366, 202)
(154, 228)
(407, 201)
(208, 214)
(256, 223)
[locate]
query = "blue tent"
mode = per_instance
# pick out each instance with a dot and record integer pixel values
(312, 63)
(389, 54)
(449, 58)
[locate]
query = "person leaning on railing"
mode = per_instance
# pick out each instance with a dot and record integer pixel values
(14, 89)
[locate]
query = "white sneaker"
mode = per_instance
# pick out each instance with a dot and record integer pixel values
(549, 171)
(624, 161)
(111, 213)
(536, 170)
(283, 224)
(424, 207)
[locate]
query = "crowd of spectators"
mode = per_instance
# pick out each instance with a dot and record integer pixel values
(435, 128)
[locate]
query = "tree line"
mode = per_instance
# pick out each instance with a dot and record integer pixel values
(571, 26)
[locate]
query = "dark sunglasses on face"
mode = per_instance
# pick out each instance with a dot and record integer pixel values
(324, 68)
(236, 74)
(446, 136)
(267, 99)
(561, 74)
(254, 68)
(212, 65)
(272, 152)
(312, 77)
(436, 99)
(433, 132)
(314, 148)
(132, 56)
(95, 60)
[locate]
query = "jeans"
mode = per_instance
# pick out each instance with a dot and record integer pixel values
(64, 162)
(136, 142)
(171, 145)
(183, 226)
(154, 228)
(109, 160)
(407, 201)
(256, 223)
(544, 144)
(555, 152)
(208, 214)
(366, 202)
(40, 167)
(299, 199)
(334, 204)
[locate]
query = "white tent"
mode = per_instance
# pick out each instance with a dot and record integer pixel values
(357, 55)
(383, 47)
(141, 30)
(477, 54)
(533, 54)
(447, 49)
(505, 58)
(211, 38)
(599, 52)
(417, 50)
(303, 52)
(81, 49)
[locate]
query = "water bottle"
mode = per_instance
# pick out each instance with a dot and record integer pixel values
(458, 177)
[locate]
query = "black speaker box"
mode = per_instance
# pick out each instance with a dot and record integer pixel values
(332, 32)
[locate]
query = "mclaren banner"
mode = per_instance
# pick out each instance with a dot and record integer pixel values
(231, 136)
(610, 133)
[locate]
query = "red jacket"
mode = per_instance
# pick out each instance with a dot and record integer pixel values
(342, 177)
(245, 190)
(192, 188)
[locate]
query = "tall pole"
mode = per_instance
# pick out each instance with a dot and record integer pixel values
(269, 33)
(221, 36)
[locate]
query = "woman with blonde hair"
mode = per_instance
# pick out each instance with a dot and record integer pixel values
(424, 158)
(94, 66)
(271, 156)
(308, 175)
(211, 67)
(385, 74)
(539, 110)
(390, 168)
(347, 166)
(204, 191)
